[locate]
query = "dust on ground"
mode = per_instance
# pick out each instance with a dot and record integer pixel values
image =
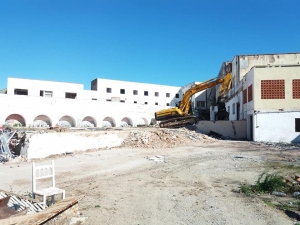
(193, 185)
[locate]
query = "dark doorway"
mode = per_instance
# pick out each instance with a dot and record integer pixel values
(251, 128)
(238, 111)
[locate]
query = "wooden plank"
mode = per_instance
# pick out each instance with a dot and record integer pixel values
(297, 177)
(289, 180)
(45, 215)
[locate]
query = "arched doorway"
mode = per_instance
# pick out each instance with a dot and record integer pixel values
(88, 121)
(126, 122)
(42, 121)
(142, 122)
(15, 120)
(108, 122)
(66, 121)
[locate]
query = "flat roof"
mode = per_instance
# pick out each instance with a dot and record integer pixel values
(43, 80)
(136, 82)
(287, 53)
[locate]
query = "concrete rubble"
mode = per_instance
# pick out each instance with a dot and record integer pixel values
(12, 143)
(164, 138)
(278, 145)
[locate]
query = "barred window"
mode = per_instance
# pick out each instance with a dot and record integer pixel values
(245, 96)
(250, 93)
(272, 89)
(296, 88)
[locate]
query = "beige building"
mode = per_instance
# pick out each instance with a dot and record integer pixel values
(266, 93)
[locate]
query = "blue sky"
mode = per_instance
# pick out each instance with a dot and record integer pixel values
(167, 42)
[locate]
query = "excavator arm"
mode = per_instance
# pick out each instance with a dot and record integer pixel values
(179, 117)
(186, 102)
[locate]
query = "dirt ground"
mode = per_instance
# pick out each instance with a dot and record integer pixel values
(192, 186)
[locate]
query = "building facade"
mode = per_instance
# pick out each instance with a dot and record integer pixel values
(264, 93)
(109, 103)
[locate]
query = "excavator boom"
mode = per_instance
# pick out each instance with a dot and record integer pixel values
(179, 117)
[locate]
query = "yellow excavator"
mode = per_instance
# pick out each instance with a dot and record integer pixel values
(180, 117)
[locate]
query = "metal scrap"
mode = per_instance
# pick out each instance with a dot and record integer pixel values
(11, 143)
(5, 138)
(6, 211)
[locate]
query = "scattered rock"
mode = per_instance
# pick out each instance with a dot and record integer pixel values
(280, 194)
(157, 158)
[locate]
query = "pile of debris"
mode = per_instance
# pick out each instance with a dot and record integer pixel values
(13, 143)
(164, 138)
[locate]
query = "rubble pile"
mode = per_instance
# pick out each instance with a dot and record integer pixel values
(164, 138)
(12, 142)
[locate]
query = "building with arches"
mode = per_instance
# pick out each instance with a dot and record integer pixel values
(109, 103)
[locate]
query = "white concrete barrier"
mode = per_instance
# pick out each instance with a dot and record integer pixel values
(232, 129)
(46, 144)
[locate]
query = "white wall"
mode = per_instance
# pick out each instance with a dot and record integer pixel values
(275, 127)
(88, 103)
(60, 88)
(232, 129)
(129, 97)
(46, 144)
(30, 107)
(35, 86)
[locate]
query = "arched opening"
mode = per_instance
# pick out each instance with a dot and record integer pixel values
(142, 122)
(66, 122)
(15, 120)
(108, 122)
(41, 121)
(88, 121)
(126, 122)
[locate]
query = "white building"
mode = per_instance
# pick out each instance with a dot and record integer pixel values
(108, 103)
(265, 93)
(134, 93)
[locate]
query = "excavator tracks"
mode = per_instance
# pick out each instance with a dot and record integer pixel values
(178, 122)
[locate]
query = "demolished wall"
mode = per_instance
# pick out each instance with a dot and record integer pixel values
(46, 144)
(231, 129)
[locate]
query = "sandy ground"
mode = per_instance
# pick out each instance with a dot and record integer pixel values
(193, 186)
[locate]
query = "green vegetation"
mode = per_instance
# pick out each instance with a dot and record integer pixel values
(269, 183)
(268, 203)
(28, 194)
(247, 189)
(266, 183)
(284, 207)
